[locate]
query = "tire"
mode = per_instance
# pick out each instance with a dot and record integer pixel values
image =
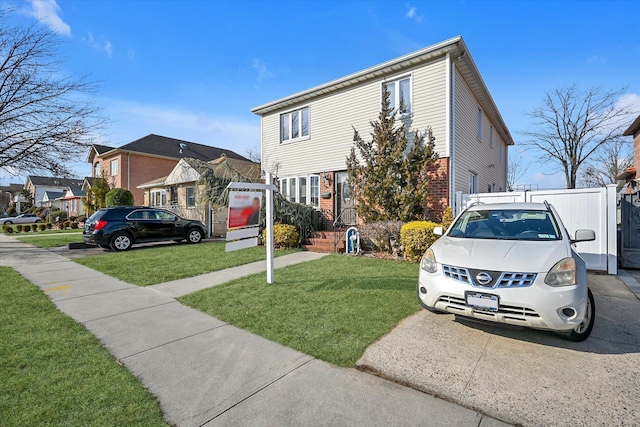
(7, 223)
(37, 221)
(121, 242)
(194, 235)
(582, 332)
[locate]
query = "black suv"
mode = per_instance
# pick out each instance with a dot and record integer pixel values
(120, 227)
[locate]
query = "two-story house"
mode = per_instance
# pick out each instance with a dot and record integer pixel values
(146, 159)
(307, 136)
(39, 185)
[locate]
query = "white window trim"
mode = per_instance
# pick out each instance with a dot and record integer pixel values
(186, 197)
(479, 125)
(491, 136)
(160, 194)
(473, 182)
(301, 137)
(111, 163)
(296, 197)
(397, 79)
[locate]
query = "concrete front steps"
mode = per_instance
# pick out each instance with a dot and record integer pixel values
(324, 242)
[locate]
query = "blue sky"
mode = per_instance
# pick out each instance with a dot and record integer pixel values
(193, 69)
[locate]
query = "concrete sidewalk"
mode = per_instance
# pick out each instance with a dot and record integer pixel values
(206, 372)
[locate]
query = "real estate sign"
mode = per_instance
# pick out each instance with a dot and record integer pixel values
(244, 209)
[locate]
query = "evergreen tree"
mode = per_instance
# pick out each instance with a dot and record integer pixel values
(389, 180)
(96, 194)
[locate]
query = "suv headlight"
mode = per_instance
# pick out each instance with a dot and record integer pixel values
(564, 273)
(428, 262)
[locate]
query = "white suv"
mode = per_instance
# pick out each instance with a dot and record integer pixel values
(510, 263)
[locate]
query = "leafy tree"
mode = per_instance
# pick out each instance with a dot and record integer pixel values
(119, 197)
(46, 118)
(388, 179)
(572, 124)
(96, 194)
(28, 203)
(607, 163)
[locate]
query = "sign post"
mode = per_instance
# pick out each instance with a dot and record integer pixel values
(244, 231)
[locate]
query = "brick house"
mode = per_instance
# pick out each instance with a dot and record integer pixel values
(307, 136)
(145, 159)
(630, 174)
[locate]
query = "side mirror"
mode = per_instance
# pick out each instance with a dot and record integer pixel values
(438, 231)
(584, 236)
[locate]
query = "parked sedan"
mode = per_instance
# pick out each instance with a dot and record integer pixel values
(21, 219)
(120, 227)
(510, 263)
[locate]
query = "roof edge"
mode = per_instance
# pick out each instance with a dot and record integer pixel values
(635, 127)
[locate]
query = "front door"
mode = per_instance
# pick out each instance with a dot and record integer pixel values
(345, 213)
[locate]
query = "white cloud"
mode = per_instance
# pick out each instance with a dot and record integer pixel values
(48, 11)
(597, 59)
(413, 14)
(100, 44)
(108, 48)
(630, 102)
(261, 67)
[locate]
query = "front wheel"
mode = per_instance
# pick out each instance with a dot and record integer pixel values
(583, 330)
(7, 223)
(194, 235)
(121, 242)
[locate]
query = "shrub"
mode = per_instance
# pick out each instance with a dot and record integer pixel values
(58, 214)
(12, 211)
(42, 227)
(19, 228)
(383, 235)
(416, 237)
(26, 228)
(7, 229)
(82, 218)
(73, 225)
(49, 226)
(119, 197)
(284, 236)
(66, 223)
(447, 218)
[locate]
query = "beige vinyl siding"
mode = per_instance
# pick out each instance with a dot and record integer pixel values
(471, 153)
(332, 119)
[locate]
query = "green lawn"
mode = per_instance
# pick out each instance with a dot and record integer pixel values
(332, 308)
(54, 372)
(50, 241)
(149, 266)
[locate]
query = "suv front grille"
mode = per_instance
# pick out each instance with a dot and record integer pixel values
(507, 279)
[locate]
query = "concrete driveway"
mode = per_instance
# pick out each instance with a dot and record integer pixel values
(522, 376)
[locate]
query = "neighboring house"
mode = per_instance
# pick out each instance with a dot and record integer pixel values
(52, 199)
(181, 192)
(307, 136)
(629, 175)
(73, 200)
(10, 196)
(145, 159)
(38, 185)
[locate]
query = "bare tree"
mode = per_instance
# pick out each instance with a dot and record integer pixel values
(252, 154)
(46, 118)
(572, 124)
(516, 169)
(609, 161)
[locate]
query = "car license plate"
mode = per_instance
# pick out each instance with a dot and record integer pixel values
(481, 302)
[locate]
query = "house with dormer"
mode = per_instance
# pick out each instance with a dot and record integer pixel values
(307, 136)
(146, 159)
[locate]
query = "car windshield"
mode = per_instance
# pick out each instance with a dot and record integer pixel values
(506, 224)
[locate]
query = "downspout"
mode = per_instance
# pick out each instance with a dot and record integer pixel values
(451, 93)
(128, 169)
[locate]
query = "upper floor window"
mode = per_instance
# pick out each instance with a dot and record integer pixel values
(294, 125)
(114, 167)
(479, 128)
(400, 95)
(97, 170)
(491, 136)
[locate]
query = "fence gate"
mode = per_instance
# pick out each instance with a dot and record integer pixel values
(630, 231)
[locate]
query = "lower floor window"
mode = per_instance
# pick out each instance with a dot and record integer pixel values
(191, 196)
(158, 198)
(303, 189)
(473, 182)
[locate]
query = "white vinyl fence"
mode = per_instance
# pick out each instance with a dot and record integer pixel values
(590, 208)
